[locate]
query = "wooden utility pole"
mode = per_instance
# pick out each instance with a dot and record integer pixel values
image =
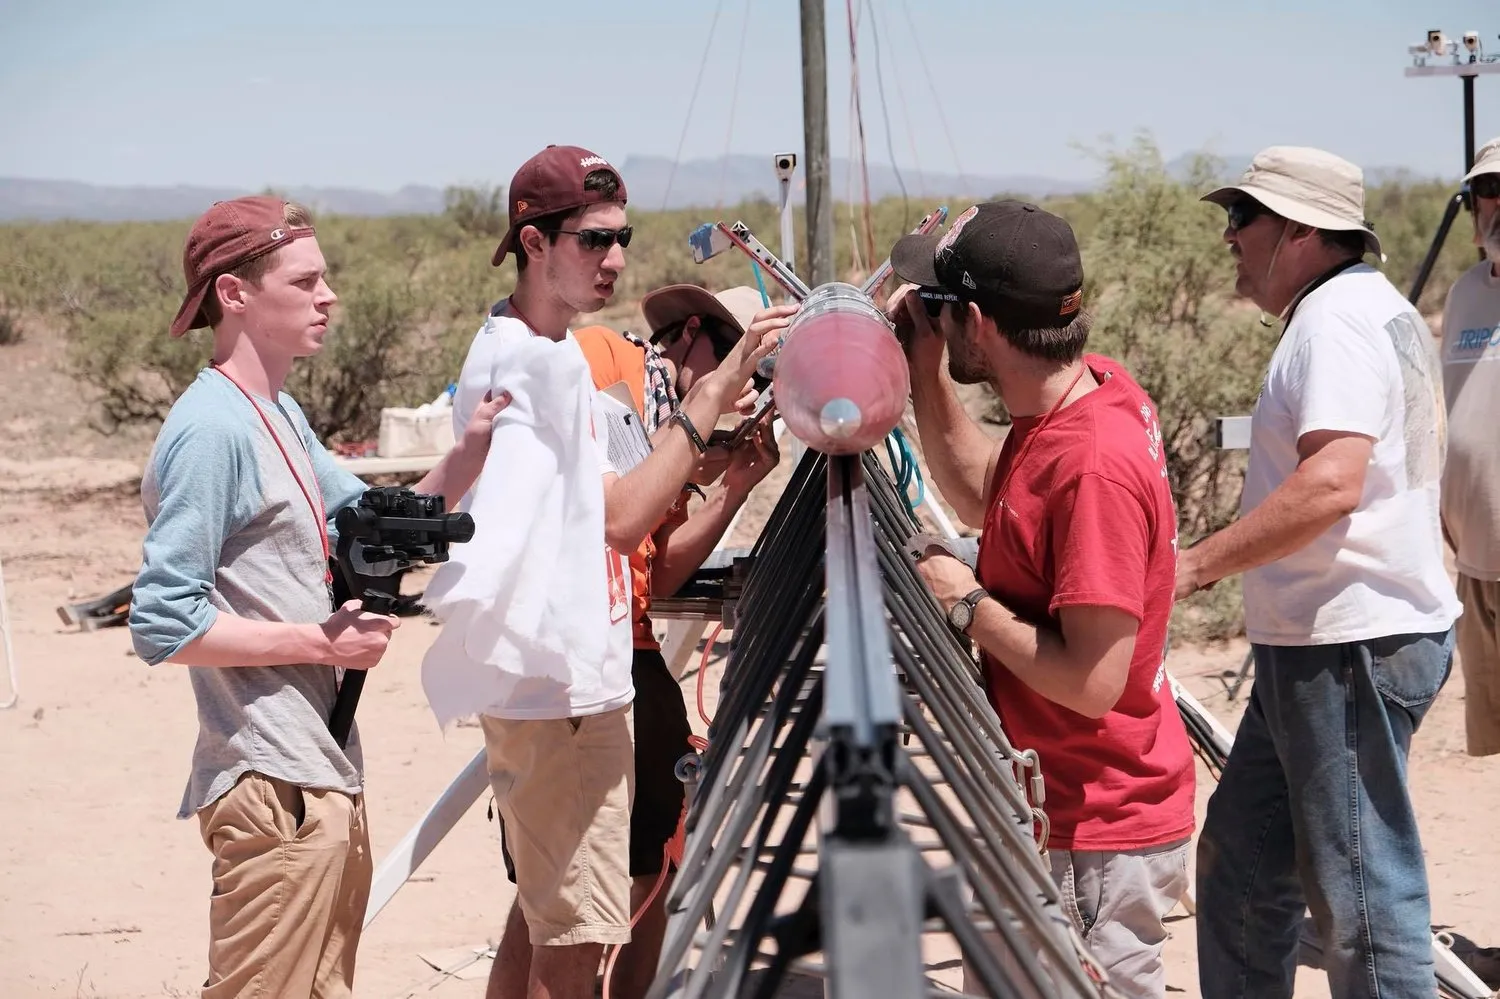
(815, 139)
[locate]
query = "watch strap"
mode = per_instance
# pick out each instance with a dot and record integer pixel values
(680, 417)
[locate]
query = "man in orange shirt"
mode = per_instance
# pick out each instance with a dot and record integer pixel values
(692, 331)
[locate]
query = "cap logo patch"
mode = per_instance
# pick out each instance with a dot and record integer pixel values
(1071, 303)
(946, 243)
(590, 161)
(969, 282)
(521, 206)
(278, 233)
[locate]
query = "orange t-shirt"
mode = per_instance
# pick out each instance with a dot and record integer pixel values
(613, 359)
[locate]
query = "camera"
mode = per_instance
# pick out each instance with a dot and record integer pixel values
(389, 530)
(392, 529)
(786, 164)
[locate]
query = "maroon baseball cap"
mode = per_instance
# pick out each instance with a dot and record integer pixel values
(552, 181)
(229, 234)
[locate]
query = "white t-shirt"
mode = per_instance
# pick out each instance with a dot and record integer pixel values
(1358, 358)
(1471, 387)
(536, 693)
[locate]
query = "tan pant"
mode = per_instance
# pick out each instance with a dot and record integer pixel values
(291, 879)
(1478, 635)
(564, 788)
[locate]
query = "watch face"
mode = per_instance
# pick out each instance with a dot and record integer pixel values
(960, 615)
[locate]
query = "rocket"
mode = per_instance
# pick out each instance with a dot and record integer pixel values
(841, 380)
(839, 376)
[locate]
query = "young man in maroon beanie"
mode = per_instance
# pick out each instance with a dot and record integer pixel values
(240, 498)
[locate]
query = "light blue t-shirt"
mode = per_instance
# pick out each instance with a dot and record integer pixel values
(230, 530)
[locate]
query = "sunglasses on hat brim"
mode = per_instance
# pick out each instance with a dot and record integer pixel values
(933, 300)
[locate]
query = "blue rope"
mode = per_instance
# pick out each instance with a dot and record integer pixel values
(765, 299)
(905, 468)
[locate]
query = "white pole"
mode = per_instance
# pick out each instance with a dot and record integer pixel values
(435, 823)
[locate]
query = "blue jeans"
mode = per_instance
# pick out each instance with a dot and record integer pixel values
(1313, 813)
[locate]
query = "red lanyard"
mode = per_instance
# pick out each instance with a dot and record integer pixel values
(318, 509)
(1026, 444)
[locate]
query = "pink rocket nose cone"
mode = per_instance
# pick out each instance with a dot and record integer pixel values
(841, 377)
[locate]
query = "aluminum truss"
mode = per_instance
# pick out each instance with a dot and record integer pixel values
(854, 735)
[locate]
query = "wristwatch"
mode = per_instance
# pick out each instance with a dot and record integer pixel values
(961, 614)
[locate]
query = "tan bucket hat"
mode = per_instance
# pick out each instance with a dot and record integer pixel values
(734, 307)
(1305, 185)
(1488, 160)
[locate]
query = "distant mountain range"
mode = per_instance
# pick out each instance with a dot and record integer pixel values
(652, 181)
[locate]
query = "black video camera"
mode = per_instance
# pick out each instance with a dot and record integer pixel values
(390, 530)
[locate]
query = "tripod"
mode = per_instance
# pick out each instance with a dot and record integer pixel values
(1467, 73)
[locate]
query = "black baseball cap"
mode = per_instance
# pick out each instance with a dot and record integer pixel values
(1006, 256)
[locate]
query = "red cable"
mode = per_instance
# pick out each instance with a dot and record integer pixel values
(702, 669)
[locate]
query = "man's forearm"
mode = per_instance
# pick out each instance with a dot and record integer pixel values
(958, 453)
(454, 475)
(1040, 659)
(238, 641)
(637, 501)
(682, 551)
(1295, 514)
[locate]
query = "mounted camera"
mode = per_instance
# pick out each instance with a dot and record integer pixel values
(786, 165)
(390, 530)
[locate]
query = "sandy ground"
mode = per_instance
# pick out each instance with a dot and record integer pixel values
(103, 893)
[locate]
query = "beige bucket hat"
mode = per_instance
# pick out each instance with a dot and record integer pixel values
(735, 307)
(1487, 161)
(1305, 185)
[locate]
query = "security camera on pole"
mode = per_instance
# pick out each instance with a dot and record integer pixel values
(1440, 56)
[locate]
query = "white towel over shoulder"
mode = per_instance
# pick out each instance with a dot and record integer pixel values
(527, 629)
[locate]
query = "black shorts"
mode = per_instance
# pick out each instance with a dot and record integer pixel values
(661, 739)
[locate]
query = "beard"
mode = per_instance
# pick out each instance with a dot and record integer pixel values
(1489, 234)
(966, 365)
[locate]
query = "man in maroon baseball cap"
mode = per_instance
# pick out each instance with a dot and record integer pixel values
(234, 584)
(570, 855)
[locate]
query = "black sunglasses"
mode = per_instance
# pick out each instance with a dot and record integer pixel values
(1245, 211)
(600, 239)
(933, 300)
(1486, 185)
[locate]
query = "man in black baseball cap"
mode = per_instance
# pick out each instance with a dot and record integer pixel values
(1077, 561)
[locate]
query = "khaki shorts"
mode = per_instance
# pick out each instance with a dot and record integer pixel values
(564, 788)
(291, 879)
(1478, 635)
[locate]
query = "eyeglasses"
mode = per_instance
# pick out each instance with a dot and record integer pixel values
(1486, 185)
(720, 338)
(1245, 211)
(933, 300)
(600, 239)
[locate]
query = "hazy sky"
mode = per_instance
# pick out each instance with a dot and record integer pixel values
(381, 93)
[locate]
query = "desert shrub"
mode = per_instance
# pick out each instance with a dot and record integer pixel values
(1160, 282)
(478, 211)
(10, 326)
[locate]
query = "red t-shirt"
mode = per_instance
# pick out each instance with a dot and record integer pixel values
(1088, 520)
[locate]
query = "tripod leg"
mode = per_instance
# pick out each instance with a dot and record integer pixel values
(1425, 271)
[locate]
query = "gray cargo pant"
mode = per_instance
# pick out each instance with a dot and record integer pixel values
(1118, 903)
